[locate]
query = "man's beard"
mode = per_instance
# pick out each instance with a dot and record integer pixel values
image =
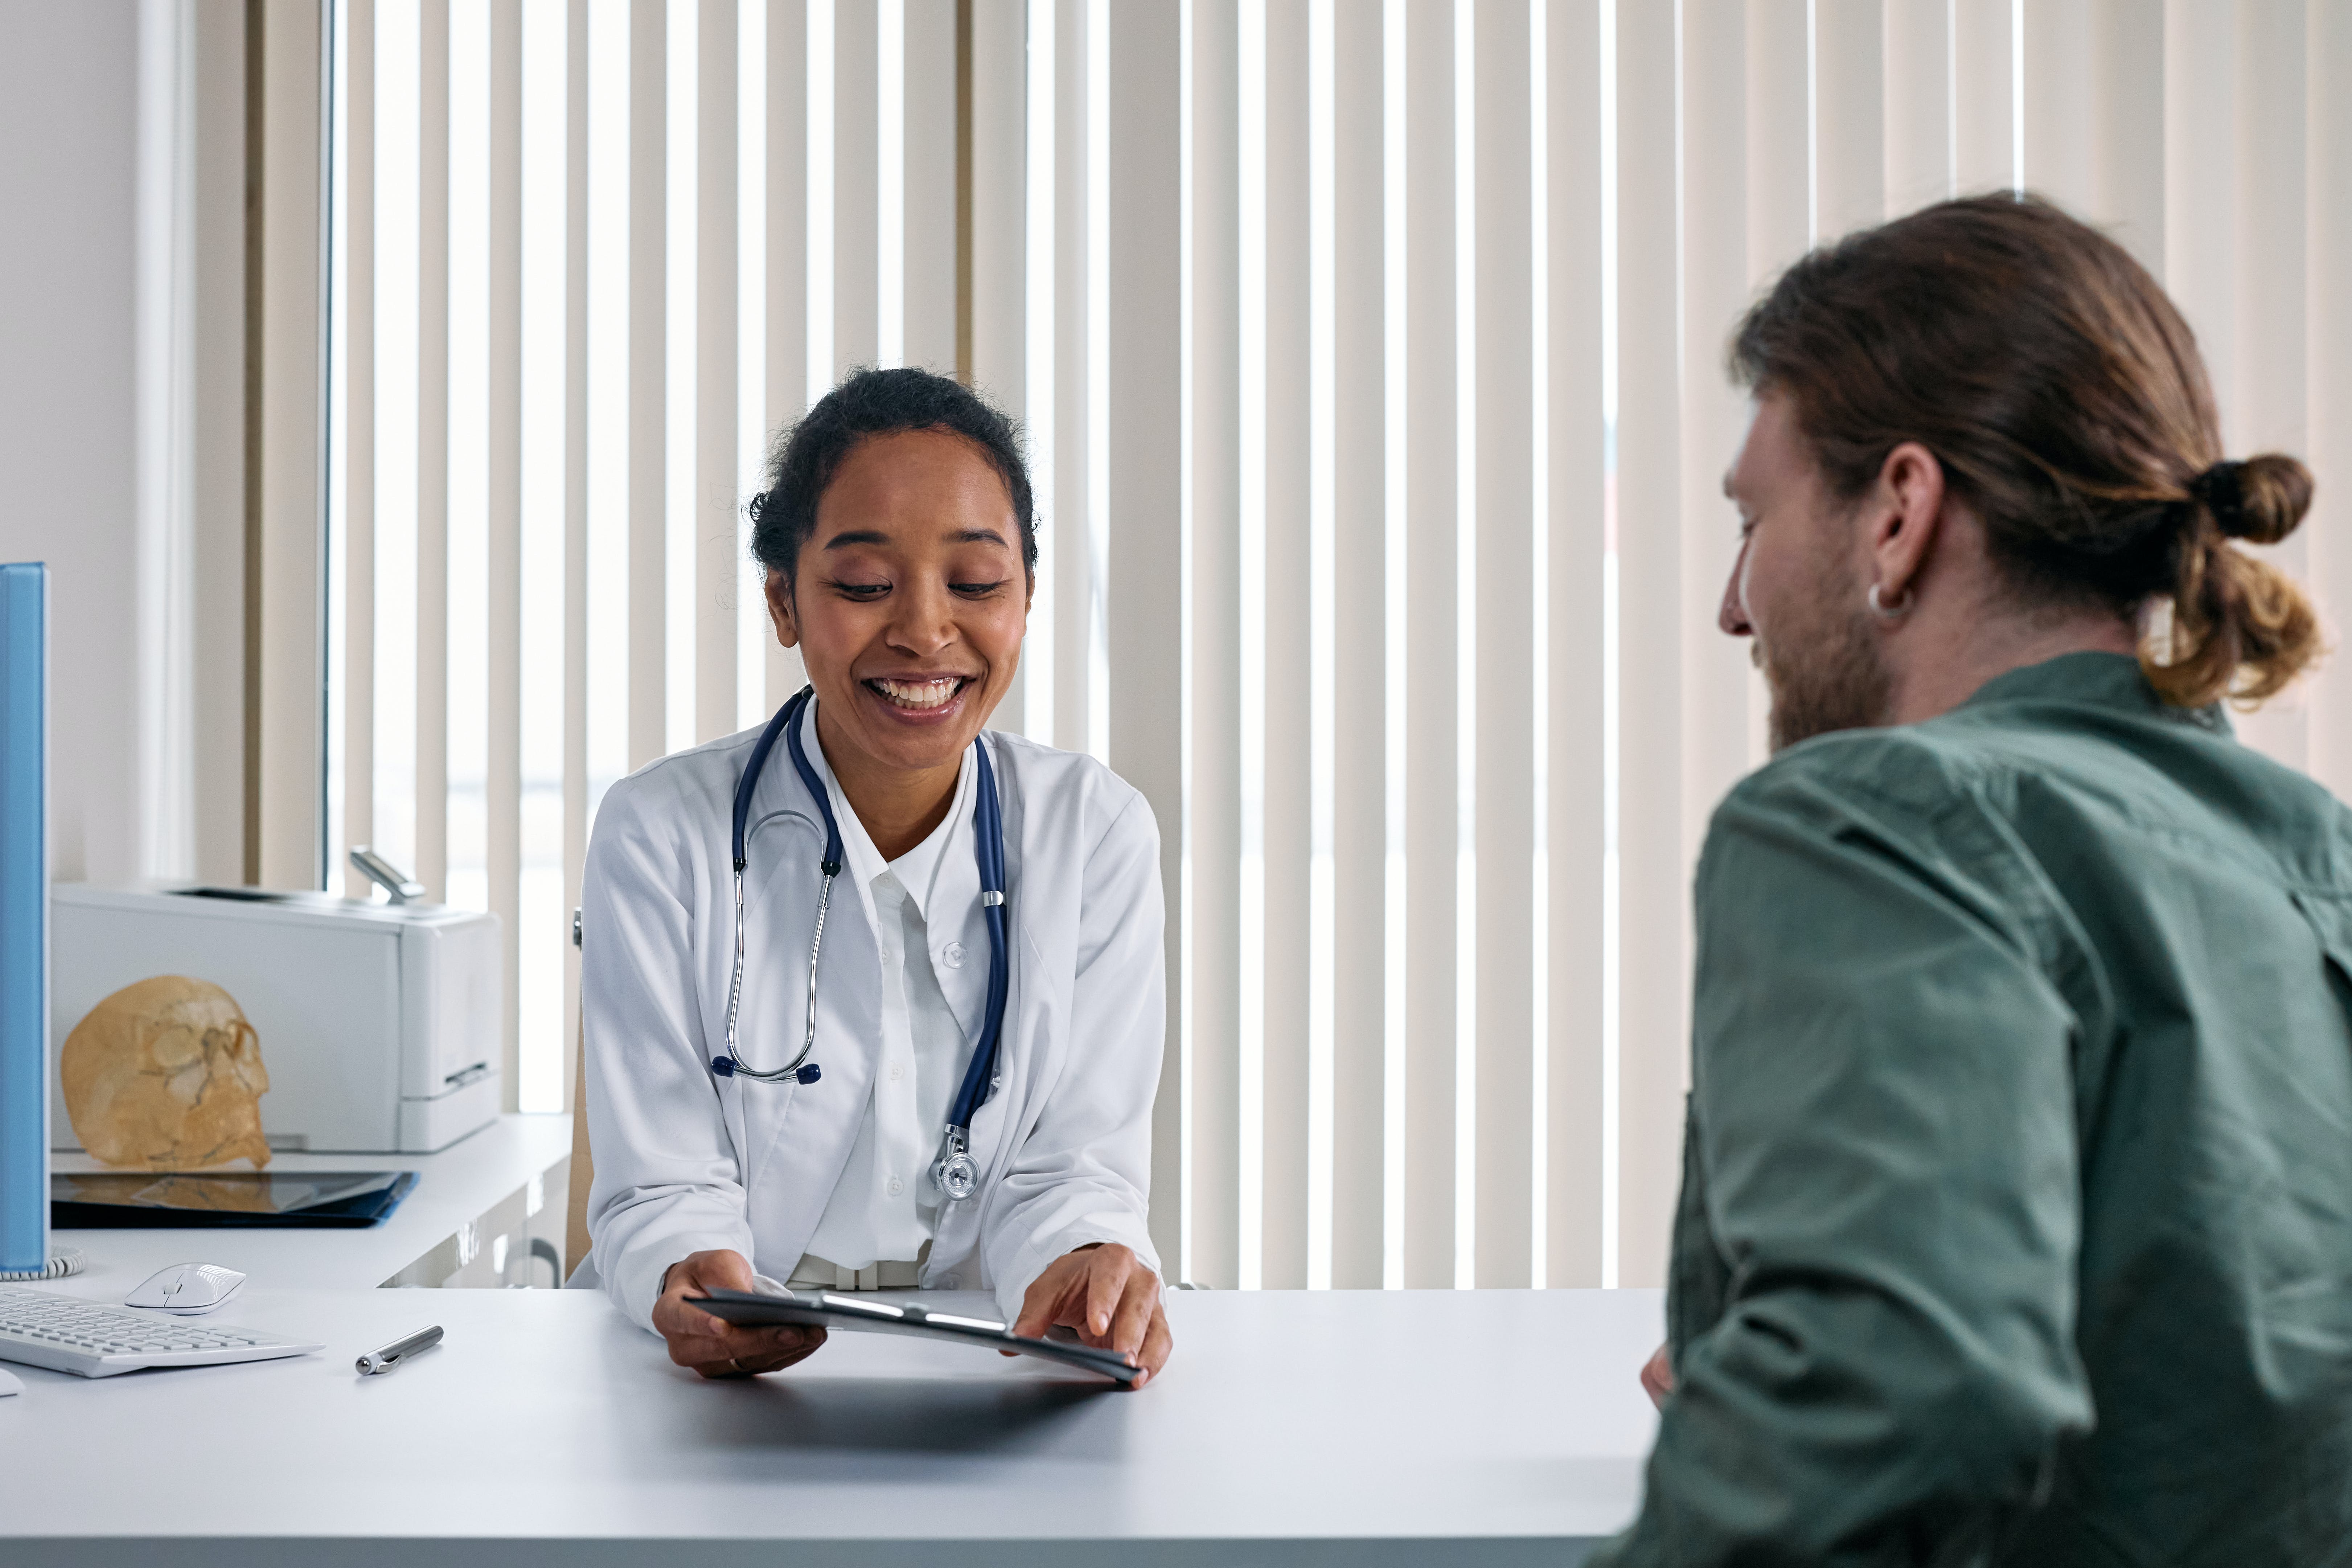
(1825, 674)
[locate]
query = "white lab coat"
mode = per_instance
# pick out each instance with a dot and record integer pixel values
(686, 1160)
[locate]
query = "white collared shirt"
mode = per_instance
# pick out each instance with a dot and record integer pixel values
(885, 1206)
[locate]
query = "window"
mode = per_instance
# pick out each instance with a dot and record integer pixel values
(1369, 357)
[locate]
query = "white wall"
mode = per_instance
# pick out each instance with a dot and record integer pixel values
(70, 334)
(69, 108)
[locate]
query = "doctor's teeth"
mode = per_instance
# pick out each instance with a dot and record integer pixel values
(919, 693)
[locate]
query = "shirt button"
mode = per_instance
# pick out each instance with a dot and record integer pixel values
(950, 1282)
(953, 953)
(896, 1072)
(896, 1186)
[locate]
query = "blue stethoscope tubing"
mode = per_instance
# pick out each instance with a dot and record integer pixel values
(953, 1172)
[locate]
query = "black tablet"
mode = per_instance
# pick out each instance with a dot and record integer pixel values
(833, 1309)
(149, 1199)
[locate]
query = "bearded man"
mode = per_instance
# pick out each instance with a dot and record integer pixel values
(2016, 1225)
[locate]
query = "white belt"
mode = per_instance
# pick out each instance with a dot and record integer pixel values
(814, 1273)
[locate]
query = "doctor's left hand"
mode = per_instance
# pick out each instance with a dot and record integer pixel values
(1104, 1292)
(711, 1346)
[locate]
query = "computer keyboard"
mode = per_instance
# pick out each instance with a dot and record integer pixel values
(92, 1339)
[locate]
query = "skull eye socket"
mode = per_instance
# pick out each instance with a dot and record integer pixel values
(176, 1046)
(245, 1058)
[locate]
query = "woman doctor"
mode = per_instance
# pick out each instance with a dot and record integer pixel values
(898, 543)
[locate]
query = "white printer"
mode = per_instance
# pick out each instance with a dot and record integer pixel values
(381, 1024)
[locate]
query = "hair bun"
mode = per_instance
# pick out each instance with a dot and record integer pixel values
(2261, 501)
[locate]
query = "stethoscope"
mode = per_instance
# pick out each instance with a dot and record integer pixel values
(954, 1171)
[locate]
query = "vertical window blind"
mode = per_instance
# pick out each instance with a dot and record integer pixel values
(1370, 358)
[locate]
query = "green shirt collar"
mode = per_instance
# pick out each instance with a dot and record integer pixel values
(2109, 680)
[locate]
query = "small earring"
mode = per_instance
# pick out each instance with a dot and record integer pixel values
(1893, 612)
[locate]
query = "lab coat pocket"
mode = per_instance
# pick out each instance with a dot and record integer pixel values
(732, 1115)
(756, 1124)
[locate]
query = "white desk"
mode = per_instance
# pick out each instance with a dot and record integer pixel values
(466, 1197)
(1448, 1427)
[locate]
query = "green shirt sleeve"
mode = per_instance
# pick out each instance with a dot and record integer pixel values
(1873, 1299)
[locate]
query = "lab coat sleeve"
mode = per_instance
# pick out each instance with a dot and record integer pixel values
(1083, 1172)
(1872, 1291)
(668, 1181)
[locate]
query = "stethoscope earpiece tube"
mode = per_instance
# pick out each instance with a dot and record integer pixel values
(955, 1172)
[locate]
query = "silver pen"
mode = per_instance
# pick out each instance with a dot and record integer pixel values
(399, 1351)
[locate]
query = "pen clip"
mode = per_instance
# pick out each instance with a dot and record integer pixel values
(392, 1355)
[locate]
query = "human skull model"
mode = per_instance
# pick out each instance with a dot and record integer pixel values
(166, 1075)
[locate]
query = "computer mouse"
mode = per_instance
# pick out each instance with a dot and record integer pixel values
(10, 1383)
(187, 1289)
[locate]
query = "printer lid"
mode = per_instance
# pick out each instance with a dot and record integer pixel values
(264, 902)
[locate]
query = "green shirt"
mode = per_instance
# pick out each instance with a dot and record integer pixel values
(2016, 1223)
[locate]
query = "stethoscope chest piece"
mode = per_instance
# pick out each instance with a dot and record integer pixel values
(959, 1176)
(955, 1172)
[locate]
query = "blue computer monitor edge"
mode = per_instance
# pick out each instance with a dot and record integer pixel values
(24, 918)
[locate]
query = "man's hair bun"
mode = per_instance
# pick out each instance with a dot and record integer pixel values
(2273, 494)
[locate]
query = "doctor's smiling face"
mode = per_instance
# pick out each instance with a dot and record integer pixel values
(908, 602)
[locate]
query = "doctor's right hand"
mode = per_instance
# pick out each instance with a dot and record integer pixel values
(714, 1347)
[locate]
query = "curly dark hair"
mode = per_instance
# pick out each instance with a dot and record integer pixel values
(872, 402)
